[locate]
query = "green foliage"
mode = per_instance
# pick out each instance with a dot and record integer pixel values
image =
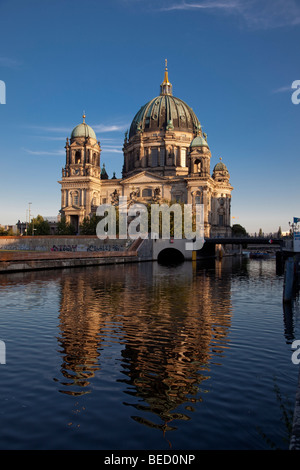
(64, 228)
(38, 226)
(9, 232)
(238, 230)
(89, 224)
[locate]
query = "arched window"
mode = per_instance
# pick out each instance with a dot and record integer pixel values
(221, 215)
(75, 198)
(197, 166)
(77, 157)
(198, 198)
(95, 199)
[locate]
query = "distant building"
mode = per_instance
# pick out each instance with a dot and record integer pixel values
(166, 158)
(10, 228)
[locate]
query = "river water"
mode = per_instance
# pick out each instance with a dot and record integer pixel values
(144, 356)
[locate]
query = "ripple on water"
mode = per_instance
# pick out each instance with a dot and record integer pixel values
(143, 356)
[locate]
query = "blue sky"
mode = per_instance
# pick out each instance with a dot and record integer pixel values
(233, 62)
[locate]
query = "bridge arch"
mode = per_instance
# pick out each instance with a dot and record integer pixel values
(170, 256)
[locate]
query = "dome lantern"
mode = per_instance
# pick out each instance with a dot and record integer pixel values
(166, 86)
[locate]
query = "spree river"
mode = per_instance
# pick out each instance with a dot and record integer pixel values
(145, 356)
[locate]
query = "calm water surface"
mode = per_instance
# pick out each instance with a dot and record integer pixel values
(147, 357)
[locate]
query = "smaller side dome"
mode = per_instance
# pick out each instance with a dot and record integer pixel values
(199, 141)
(220, 172)
(220, 166)
(83, 130)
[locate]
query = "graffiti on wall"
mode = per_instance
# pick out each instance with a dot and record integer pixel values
(89, 248)
(72, 248)
(105, 248)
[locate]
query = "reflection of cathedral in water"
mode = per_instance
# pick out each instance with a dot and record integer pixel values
(167, 335)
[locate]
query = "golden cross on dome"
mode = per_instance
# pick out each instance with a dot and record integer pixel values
(83, 116)
(166, 87)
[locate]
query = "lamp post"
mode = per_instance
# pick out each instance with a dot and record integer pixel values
(29, 213)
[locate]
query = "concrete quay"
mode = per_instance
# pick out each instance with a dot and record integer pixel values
(18, 261)
(54, 252)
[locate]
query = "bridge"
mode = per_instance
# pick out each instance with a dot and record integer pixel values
(244, 241)
(173, 249)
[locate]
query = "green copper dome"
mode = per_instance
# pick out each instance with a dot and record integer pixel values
(165, 112)
(162, 111)
(199, 141)
(83, 130)
(220, 166)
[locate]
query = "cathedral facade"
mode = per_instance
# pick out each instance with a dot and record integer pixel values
(166, 159)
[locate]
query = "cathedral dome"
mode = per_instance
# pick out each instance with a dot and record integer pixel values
(163, 113)
(83, 130)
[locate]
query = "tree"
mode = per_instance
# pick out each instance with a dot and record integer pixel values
(8, 232)
(64, 228)
(238, 230)
(89, 225)
(38, 226)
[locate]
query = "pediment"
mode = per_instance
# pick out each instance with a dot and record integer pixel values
(145, 177)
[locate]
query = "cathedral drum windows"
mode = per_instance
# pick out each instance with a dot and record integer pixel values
(154, 157)
(183, 157)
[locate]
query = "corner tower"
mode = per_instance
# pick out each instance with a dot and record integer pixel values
(80, 192)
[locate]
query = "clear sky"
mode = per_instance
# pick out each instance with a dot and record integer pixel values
(232, 61)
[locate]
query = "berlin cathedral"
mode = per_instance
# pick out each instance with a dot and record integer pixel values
(166, 159)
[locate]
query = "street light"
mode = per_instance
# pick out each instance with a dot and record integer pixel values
(29, 204)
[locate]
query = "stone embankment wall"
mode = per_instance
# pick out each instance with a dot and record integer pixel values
(74, 244)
